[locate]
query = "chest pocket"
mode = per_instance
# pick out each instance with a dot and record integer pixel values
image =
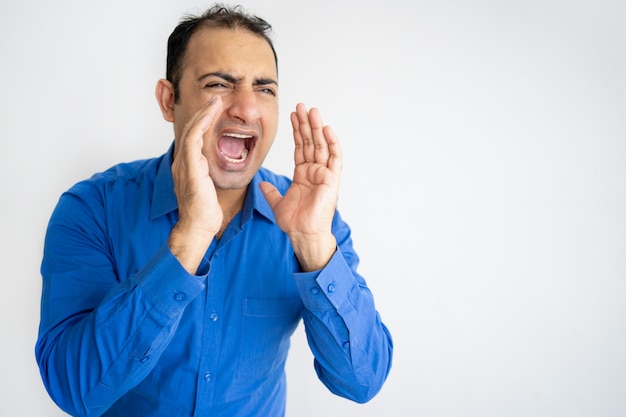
(265, 332)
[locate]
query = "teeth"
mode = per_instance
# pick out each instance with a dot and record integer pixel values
(244, 155)
(238, 135)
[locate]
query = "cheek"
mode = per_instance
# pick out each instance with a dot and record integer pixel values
(266, 145)
(270, 127)
(181, 119)
(270, 121)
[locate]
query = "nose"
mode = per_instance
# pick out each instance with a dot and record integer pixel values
(244, 106)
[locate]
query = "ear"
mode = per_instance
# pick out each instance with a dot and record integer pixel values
(165, 96)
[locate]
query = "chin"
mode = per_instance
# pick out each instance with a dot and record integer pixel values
(232, 180)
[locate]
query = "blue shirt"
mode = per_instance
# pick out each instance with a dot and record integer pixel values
(126, 331)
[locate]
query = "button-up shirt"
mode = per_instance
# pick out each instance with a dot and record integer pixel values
(126, 331)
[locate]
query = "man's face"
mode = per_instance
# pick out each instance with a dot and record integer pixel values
(240, 67)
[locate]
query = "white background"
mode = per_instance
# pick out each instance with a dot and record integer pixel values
(485, 182)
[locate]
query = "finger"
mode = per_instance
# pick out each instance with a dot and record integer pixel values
(298, 153)
(271, 193)
(201, 122)
(335, 158)
(306, 135)
(320, 143)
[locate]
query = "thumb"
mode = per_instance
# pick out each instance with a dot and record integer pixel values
(271, 193)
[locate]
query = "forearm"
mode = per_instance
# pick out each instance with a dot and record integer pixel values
(352, 347)
(88, 359)
(313, 252)
(188, 246)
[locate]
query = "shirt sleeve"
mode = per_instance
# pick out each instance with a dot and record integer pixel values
(98, 336)
(352, 347)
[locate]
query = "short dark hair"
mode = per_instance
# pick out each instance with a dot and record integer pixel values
(218, 16)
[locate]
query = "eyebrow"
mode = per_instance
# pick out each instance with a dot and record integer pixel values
(235, 80)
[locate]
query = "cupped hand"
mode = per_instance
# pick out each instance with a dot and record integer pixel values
(199, 213)
(306, 210)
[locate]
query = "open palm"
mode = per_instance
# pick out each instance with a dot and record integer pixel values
(306, 210)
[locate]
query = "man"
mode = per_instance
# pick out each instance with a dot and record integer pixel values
(171, 286)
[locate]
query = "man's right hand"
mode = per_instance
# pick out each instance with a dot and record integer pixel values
(199, 212)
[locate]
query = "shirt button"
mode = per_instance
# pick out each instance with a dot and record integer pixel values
(213, 316)
(144, 359)
(207, 376)
(346, 345)
(315, 290)
(180, 296)
(331, 288)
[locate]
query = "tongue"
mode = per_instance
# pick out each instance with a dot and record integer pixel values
(231, 147)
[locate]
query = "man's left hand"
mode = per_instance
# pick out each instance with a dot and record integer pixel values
(306, 210)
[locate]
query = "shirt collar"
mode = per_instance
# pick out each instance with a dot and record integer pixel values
(255, 201)
(164, 199)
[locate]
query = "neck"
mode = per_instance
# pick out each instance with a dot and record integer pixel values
(231, 202)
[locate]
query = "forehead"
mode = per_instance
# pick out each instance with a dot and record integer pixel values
(236, 51)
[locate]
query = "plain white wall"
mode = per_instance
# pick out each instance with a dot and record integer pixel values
(485, 181)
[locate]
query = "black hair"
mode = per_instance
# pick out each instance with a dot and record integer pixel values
(218, 16)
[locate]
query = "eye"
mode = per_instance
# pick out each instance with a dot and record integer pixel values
(215, 85)
(268, 91)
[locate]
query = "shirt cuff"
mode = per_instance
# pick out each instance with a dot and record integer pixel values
(328, 288)
(170, 287)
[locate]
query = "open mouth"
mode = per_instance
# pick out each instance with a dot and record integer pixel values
(235, 147)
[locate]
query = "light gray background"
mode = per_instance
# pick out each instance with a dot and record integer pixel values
(485, 180)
